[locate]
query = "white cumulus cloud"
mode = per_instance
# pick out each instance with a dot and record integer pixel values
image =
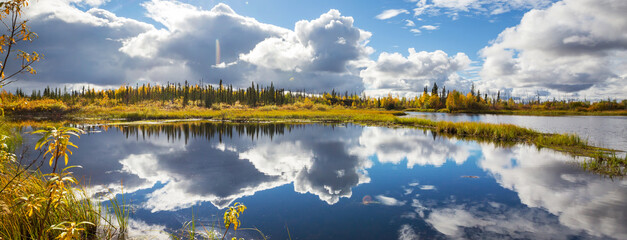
(394, 72)
(326, 44)
(328, 52)
(322, 53)
(575, 46)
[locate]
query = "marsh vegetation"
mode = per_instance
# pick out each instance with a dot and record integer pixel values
(40, 197)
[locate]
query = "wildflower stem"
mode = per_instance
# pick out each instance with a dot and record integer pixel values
(54, 170)
(227, 229)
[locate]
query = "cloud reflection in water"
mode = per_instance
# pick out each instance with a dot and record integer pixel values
(227, 167)
(219, 163)
(562, 200)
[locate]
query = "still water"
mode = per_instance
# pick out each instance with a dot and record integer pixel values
(601, 131)
(347, 182)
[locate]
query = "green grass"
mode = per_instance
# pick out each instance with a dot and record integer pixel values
(503, 134)
(497, 132)
(12, 138)
(15, 221)
(34, 205)
(121, 212)
(606, 164)
(508, 133)
(532, 112)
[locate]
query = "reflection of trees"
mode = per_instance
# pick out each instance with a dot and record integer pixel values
(218, 163)
(207, 130)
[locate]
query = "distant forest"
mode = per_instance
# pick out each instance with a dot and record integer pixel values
(207, 96)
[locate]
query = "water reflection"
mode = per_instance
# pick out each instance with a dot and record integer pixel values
(560, 201)
(551, 181)
(603, 131)
(219, 163)
(178, 132)
(417, 184)
(415, 147)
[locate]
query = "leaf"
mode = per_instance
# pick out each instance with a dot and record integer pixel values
(73, 166)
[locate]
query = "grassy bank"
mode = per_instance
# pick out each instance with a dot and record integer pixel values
(317, 113)
(602, 161)
(44, 109)
(531, 112)
(22, 205)
(50, 206)
(301, 113)
(25, 199)
(34, 205)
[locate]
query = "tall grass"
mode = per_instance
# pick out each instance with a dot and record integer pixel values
(34, 205)
(11, 138)
(28, 192)
(540, 112)
(565, 139)
(121, 212)
(503, 134)
(496, 132)
(606, 164)
(21, 206)
(602, 161)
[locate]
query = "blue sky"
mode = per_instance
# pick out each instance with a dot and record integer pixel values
(562, 49)
(469, 33)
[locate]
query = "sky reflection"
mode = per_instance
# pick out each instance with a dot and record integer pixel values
(420, 186)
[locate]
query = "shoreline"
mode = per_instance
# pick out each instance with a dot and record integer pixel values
(527, 112)
(503, 134)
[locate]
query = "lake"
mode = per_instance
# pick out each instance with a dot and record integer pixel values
(601, 131)
(346, 182)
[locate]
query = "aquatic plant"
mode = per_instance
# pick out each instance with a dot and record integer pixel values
(121, 212)
(606, 164)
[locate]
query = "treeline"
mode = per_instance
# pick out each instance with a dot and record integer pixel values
(207, 96)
